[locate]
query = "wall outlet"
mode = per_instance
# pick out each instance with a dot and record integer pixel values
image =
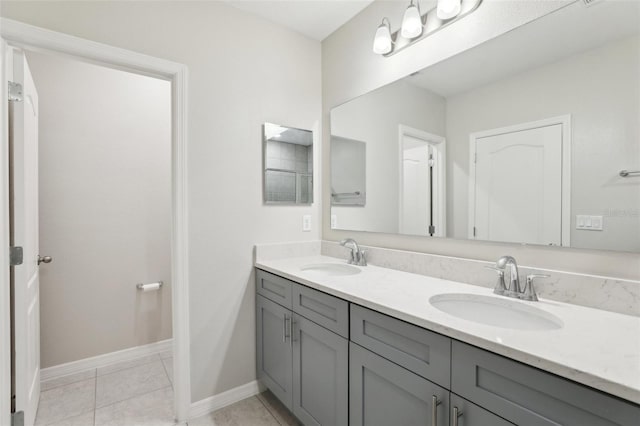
(589, 223)
(306, 223)
(334, 221)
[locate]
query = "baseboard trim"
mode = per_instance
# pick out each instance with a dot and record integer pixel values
(104, 360)
(221, 400)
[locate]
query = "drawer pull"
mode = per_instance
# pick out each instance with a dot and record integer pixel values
(434, 410)
(456, 414)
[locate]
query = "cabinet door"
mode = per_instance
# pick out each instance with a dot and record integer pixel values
(469, 414)
(273, 345)
(320, 374)
(383, 393)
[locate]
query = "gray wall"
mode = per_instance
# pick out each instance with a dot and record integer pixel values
(351, 45)
(243, 71)
(105, 208)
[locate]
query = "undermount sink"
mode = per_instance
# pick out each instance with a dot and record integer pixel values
(495, 311)
(331, 269)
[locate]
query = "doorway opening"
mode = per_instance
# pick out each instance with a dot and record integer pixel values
(422, 202)
(16, 39)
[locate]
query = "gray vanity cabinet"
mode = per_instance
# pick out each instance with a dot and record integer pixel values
(527, 396)
(383, 393)
(301, 355)
(394, 373)
(321, 372)
(274, 356)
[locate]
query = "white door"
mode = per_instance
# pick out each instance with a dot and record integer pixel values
(416, 188)
(23, 139)
(518, 186)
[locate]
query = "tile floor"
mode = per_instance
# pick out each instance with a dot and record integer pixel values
(140, 393)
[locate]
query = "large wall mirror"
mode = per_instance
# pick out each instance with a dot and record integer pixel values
(288, 164)
(523, 139)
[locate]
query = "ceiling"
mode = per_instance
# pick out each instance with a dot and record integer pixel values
(313, 18)
(563, 33)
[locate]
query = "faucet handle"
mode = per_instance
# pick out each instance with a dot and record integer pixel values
(363, 258)
(352, 257)
(529, 292)
(500, 287)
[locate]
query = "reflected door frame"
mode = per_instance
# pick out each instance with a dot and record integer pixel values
(439, 146)
(562, 120)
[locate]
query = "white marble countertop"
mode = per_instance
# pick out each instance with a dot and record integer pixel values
(597, 348)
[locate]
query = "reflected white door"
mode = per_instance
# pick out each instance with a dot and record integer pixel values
(416, 192)
(23, 138)
(518, 186)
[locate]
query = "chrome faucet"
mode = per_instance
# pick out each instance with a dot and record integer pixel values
(358, 257)
(513, 289)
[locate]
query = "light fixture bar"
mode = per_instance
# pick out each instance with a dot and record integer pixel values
(431, 24)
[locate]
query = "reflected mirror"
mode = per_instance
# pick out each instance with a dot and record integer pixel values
(523, 139)
(348, 172)
(288, 165)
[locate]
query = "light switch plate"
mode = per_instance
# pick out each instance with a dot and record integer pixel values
(589, 223)
(334, 221)
(306, 223)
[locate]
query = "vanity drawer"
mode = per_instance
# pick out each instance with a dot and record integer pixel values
(328, 311)
(527, 396)
(274, 288)
(421, 351)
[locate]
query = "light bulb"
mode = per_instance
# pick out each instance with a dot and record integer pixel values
(448, 9)
(382, 41)
(411, 22)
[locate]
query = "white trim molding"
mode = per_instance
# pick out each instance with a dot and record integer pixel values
(5, 328)
(565, 122)
(18, 34)
(104, 360)
(221, 400)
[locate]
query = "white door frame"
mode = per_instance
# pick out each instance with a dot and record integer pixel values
(439, 144)
(565, 122)
(14, 33)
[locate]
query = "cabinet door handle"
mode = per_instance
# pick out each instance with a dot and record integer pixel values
(434, 410)
(284, 328)
(292, 324)
(456, 414)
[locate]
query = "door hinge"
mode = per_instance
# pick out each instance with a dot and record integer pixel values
(432, 230)
(15, 256)
(17, 418)
(15, 92)
(474, 231)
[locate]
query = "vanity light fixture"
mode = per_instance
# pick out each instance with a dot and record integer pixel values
(417, 26)
(382, 43)
(448, 9)
(411, 21)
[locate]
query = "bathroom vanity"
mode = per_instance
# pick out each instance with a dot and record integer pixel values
(341, 346)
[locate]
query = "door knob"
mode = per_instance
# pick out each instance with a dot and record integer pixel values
(44, 259)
